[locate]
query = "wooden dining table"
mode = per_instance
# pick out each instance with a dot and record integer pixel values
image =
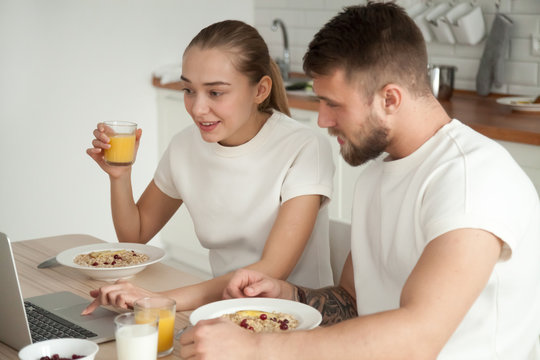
(34, 281)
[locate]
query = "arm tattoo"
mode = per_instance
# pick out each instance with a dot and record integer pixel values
(334, 303)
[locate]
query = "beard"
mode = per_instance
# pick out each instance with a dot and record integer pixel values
(371, 145)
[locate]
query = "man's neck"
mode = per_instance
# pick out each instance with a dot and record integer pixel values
(417, 123)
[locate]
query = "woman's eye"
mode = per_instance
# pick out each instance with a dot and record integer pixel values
(215, 93)
(187, 91)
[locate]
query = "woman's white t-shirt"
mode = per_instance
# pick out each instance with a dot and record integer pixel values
(233, 194)
(457, 179)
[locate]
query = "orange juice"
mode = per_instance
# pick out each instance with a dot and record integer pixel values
(122, 150)
(165, 330)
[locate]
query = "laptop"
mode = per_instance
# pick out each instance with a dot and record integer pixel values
(23, 320)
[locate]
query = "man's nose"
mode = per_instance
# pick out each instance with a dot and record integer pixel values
(324, 120)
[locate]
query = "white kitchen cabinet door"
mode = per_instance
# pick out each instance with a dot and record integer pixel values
(528, 157)
(178, 235)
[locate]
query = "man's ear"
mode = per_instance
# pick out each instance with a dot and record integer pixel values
(392, 95)
(264, 87)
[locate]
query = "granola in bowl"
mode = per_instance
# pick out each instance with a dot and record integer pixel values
(111, 258)
(261, 321)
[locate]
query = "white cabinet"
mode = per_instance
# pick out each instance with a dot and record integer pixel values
(345, 177)
(178, 235)
(528, 157)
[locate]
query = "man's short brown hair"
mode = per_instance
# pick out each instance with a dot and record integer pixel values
(378, 41)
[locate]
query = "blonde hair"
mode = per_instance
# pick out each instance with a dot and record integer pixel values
(251, 57)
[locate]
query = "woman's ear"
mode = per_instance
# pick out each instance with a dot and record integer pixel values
(392, 95)
(264, 87)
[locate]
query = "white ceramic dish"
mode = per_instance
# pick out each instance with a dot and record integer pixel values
(65, 348)
(308, 317)
(519, 103)
(110, 274)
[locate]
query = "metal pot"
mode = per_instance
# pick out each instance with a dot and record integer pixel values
(441, 80)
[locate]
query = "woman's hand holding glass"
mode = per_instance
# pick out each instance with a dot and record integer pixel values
(101, 143)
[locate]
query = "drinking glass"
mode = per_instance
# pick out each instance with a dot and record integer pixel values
(135, 340)
(122, 140)
(165, 309)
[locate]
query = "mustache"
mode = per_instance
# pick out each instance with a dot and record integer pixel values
(334, 132)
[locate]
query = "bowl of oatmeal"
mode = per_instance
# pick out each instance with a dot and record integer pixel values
(261, 314)
(263, 321)
(110, 261)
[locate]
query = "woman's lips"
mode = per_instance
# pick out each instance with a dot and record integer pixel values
(340, 141)
(208, 126)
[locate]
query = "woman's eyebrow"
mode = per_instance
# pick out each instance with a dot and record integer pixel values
(212, 83)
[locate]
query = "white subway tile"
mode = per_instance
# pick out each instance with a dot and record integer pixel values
(469, 51)
(524, 90)
(271, 3)
(316, 19)
(521, 73)
(307, 4)
(520, 49)
(524, 25)
(338, 5)
(465, 84)
(526, 6)
(440, 49)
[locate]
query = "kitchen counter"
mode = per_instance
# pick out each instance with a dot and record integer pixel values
(483, 114)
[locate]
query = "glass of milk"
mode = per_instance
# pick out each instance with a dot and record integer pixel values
(133, 340)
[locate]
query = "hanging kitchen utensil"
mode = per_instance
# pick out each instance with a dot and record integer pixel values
(491, 68)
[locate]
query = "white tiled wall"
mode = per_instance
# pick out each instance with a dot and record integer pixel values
(303, 18)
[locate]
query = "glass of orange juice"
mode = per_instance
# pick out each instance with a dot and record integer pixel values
(122, 140)
(147, 308)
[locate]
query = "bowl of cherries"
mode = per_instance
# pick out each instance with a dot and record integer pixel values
(60, 349)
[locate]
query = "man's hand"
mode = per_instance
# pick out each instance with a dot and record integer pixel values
(250, 283)
(218, 339)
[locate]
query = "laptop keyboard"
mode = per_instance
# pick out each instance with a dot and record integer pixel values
(45, 325)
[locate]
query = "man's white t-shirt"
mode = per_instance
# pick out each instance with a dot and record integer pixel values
(233, 194)
(457, 179)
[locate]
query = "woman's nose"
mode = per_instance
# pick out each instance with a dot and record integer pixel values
(199, 106)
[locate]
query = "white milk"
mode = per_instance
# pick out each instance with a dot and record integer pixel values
(136, 342)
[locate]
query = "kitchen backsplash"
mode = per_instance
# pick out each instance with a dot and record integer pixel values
(522, 69)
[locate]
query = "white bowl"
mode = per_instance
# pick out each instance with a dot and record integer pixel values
(110, 274)
(65, 348)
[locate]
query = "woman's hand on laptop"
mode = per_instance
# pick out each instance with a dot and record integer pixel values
(121, 294)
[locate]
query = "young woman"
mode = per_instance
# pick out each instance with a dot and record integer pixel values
(255, 181)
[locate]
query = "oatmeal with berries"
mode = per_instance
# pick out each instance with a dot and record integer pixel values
(260, 321)
(111, 258)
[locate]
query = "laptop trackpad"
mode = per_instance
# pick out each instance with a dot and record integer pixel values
(73, 313)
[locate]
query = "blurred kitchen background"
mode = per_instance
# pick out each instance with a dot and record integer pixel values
(66, 65)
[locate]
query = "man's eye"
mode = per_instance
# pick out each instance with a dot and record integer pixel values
(331, 105)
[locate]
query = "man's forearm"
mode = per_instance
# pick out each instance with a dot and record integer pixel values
(334, 303)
